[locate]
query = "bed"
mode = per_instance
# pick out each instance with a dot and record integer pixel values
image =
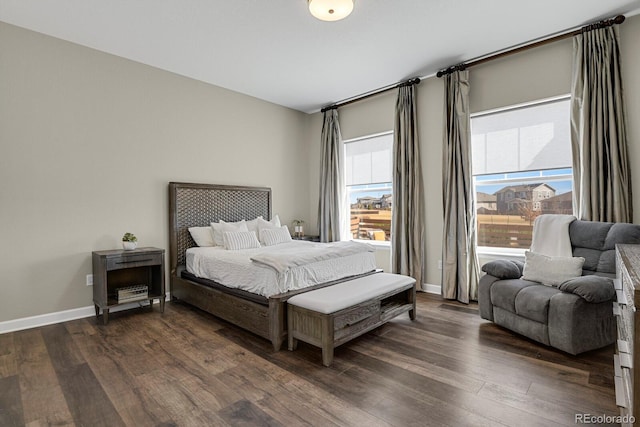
(196, 205)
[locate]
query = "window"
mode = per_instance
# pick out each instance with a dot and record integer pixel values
(521, 162)
(368, 181)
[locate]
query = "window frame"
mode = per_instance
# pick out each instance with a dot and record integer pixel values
(506, 251)
(348, 192)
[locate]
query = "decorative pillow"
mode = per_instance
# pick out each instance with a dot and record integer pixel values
(219, 228)
(275, 236)
(502, 269)
(236, 240)
(520, 265)
(264, 224)
(273, 223)
(252, 225)
(592, 288)
(551, 271)
(203, 236)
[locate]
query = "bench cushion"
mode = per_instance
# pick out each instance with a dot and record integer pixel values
(347, 294)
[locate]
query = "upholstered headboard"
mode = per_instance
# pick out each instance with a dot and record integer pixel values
(197, 205)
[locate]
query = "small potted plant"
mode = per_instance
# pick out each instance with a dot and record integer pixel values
(129, 241)
(298, 227)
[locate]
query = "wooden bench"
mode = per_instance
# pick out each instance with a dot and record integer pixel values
(331, 316)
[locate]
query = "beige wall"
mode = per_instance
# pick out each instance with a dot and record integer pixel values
(90, 141)
(532, 75)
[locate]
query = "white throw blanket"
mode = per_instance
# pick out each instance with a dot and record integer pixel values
(294, 257)
(551, 235)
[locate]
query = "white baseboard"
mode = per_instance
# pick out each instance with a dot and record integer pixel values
(432, 289)
(60, 316)
(79, 313)
(45, 319)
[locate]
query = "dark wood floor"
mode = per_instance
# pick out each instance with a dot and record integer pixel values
(188, 368)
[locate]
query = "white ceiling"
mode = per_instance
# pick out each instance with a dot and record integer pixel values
(276, 51)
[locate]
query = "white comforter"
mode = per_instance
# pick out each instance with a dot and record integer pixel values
(293, 256)
(235, 269)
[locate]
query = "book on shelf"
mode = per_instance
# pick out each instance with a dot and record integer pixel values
(132, 293)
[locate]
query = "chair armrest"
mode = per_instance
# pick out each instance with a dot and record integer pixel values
(593, 289)
(504, 269)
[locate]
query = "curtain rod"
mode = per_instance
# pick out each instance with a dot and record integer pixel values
(532, 44)
(526, 46)
(413, 81)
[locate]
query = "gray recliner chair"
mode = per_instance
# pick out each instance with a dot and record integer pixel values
(577, 315)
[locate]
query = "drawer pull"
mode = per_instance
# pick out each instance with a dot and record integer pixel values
(617, 369)
(622, 298)
(134, 261)
(621, 398)
(617, 284)
(616, 309)
(626, 361)
(623, 346)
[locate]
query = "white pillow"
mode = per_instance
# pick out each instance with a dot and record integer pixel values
(264, 224)
(203, 236)
(219, 228)
(252, 225)
(273, 222)
(236, 240)
(551, 271)
(275, 236)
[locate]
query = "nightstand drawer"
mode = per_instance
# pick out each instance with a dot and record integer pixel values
(133, 260)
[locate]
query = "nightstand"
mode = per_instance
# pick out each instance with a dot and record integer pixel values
(120, 277)
(307, 238)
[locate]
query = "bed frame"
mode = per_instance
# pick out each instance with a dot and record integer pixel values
(197, 205)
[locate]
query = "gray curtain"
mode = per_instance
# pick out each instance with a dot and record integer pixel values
(459, 259)
(407, 223)
(331, 207)
(602, 179)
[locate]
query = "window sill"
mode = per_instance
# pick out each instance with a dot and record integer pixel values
(488, 250)
(488, 253)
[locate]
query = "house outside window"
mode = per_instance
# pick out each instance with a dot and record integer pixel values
(368, 162)
(522, 168)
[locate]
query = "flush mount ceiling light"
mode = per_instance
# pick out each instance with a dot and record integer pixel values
(330, 10)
